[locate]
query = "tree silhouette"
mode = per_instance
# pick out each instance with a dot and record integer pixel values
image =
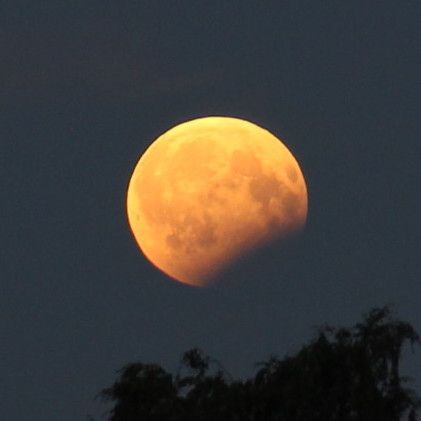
(342, 374)
(143, 391)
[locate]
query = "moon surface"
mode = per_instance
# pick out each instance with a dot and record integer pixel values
(211, 190)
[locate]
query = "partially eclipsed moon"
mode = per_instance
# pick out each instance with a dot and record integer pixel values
(210, 190)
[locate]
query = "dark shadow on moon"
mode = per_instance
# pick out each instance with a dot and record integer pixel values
(280, 259)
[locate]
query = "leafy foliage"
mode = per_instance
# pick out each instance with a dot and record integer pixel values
(343, 374)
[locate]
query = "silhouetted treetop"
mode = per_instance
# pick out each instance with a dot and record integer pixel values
(342, 374)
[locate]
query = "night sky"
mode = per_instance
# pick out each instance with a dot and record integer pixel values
(86, 86)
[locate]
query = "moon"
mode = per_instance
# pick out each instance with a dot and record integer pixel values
(209, 191)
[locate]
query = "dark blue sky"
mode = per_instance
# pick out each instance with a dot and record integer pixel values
(86, 86)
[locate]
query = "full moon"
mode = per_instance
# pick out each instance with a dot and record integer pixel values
(210, 191)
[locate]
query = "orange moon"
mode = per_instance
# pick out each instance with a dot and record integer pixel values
(211, 190)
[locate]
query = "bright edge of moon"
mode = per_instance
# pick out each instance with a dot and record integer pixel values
(210, 191)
